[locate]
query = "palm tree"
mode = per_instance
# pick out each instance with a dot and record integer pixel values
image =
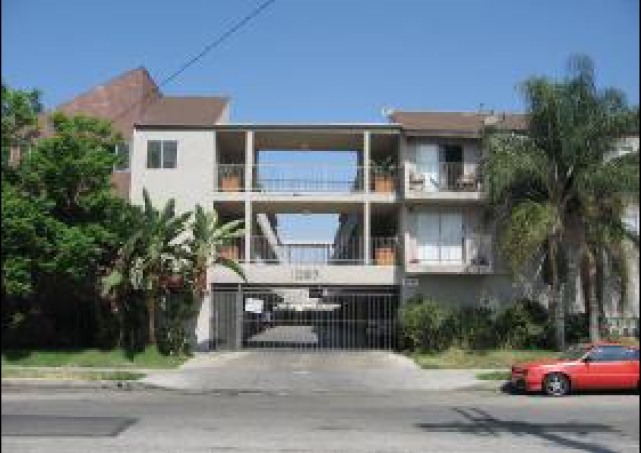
(607, 241)
(203, 247)
(164, 248)
(152, 254)
(540, 181)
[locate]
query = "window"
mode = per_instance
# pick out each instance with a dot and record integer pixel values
(610, 354)
(122, 153)
(162, 154)
(440, 236)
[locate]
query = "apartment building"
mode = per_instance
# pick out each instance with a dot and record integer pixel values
(410, 205)
(413, 220)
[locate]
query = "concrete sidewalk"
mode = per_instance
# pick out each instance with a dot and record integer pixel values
(304, 372)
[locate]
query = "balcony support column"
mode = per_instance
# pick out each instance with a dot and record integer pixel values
(249, 160)
(249, 167)
(366, 161)
(216, 168)
(367, 235)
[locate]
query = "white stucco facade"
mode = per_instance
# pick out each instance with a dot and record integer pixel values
(196, 179)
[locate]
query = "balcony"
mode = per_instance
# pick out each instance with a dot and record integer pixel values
(295, 179)
(456, 180)
(346, 253)
(473, 254)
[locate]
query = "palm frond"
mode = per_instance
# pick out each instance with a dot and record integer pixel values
(231, 265)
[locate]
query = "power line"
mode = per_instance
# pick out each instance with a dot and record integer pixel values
(237, 26)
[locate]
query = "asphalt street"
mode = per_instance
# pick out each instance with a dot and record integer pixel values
(36, 420)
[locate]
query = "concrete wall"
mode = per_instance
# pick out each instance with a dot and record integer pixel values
(470, 290)
(312, 275)
(191, 182)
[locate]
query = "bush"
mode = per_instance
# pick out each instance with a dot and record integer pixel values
(577, 328)
(475, 328)
(523, 325)
(108, 326)
(175, 310)
(426, 325)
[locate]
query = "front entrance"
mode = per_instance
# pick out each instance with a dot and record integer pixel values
(306, 318)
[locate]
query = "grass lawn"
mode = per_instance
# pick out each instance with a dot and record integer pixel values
(67, 374)
(491, 359)
(494, 376)
(117, 358)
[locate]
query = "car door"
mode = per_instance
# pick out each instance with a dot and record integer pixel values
(631, 367)
(607, 367)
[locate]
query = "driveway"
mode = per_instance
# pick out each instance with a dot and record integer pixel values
(303, 372)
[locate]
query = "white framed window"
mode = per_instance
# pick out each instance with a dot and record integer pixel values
(440, 236)
(162, 154)
(122, 153)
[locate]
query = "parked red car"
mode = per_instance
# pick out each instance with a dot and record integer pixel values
(582, 367)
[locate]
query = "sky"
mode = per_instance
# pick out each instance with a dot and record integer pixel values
(322, 60)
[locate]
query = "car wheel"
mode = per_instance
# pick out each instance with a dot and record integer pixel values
(556, 384)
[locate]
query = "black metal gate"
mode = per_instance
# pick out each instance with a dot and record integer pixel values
(307, 318)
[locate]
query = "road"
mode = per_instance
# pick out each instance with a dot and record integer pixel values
(406, 421)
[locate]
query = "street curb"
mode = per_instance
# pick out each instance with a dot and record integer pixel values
(73, 384)
(497, 386)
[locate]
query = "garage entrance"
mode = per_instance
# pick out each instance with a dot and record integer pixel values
(306, 318)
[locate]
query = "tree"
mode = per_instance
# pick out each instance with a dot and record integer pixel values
(20, 111)
(23, 218)
(150, 257)
(607, 242)
(540, 181)
(207, 236)
(165, 253)
(63, 220)
(24, 225)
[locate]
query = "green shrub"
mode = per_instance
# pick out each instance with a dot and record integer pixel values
(175, 310)
(577, 328)
(426, 325)
(523, 325)
(475, 328)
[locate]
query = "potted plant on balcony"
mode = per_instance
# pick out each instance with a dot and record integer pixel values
(385, 243)
(383, 174)
(229, 251)
(229, 178)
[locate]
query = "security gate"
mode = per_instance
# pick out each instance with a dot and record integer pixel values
(306, 318)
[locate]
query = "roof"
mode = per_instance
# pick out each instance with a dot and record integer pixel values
(122, 100)
(458, 124)
(184, 111)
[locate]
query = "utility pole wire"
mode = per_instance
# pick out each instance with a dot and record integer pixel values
(237, 26)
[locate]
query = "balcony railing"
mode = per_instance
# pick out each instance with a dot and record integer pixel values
(473, 251)
(445, 176)
(291, 178)
(350, 252)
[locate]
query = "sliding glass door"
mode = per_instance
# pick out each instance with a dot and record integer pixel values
(440, 236)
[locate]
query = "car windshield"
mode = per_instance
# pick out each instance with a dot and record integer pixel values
(575, 352)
